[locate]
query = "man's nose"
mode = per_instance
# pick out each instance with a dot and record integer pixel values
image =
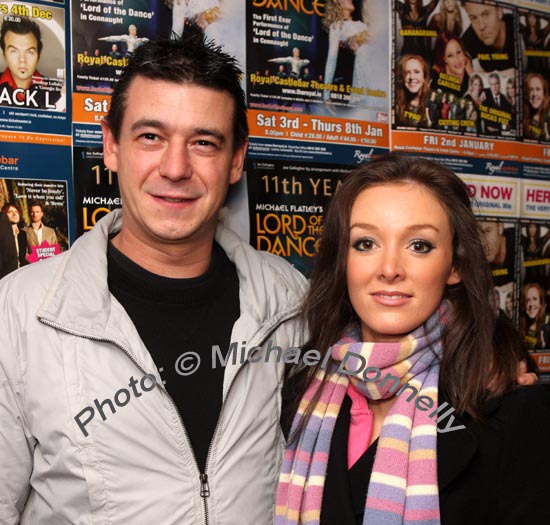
(175, 163)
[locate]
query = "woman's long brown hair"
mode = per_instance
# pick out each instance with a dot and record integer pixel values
(474, 355)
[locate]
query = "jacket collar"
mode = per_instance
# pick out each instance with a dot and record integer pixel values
(79, 301)
(455, 450)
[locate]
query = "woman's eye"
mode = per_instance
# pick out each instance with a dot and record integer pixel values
(421, 246)
(363, 245)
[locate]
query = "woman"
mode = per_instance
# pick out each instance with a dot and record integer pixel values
(535, 112)
(411, 91)
(534, 37)
(413, 17)
(401, 267)
(448, 18)
(532, 322)
(471, 116)
(452, 65)
(13, 212)
(534, 244)
(198, 13)
(353, 35)
(475, 90)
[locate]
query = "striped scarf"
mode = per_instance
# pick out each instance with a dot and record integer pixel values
(403, 486)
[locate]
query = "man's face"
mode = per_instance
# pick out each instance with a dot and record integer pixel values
(494, 84)
(486, 21)
(36, 214)
(21, 55)
(175, 160)
(492, 238)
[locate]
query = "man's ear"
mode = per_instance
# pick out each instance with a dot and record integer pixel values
(237, 163)
(454, 277)
(500, 14)
(110, 147)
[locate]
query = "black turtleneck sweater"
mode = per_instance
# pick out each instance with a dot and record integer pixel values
(173, 316)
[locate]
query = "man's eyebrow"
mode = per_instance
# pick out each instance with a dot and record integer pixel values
(152, 123)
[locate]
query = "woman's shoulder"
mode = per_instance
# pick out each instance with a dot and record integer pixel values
(498, 466)
(525, 401)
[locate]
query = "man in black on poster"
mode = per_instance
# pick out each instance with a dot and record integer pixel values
(8, 253)
(490, 37)
(499, 119)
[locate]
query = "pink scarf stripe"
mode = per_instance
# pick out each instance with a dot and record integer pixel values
(403, 487)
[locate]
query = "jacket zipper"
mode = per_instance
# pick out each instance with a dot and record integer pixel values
(203, 476)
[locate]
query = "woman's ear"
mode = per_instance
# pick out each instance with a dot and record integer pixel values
(454, 277)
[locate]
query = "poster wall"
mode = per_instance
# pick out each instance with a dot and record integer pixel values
(329, 85)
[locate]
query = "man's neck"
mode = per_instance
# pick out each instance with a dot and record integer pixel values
(36, 225)
(179, 261)
(501, 40)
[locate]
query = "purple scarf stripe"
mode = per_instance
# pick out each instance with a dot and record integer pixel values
(394, 472)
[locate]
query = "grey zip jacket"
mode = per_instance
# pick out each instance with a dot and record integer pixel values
(67, 347)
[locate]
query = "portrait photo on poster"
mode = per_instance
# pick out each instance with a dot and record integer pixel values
(456, 68)
(32, 61)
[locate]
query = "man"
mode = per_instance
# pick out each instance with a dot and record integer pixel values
(495, 111)
(131, 40)
(88, 338)
(8, 251)
(38, 232)
(499, 250)
(21, 84)
(114, 53)
(490, 37)
(296, 63)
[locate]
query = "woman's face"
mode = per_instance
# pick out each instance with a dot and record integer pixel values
(399, 259)
(347, 6)
(531, 20)
(511, 90)
(13, 215)
(454, 58)
(414, 75)
(535, 90)
(449, 5)
(532, 230)
(509, 306)
(532, 303)
(476, 85)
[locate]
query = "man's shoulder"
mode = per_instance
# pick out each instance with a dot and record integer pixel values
(259, 266)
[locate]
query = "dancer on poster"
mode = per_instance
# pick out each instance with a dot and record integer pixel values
(536, 108)
(199, 13)
(353, 34)
(295, 62)
(131, 40)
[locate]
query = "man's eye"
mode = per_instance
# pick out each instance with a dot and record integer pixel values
(363, 245)
(205, 143)
(149, 136)
(420, 246)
